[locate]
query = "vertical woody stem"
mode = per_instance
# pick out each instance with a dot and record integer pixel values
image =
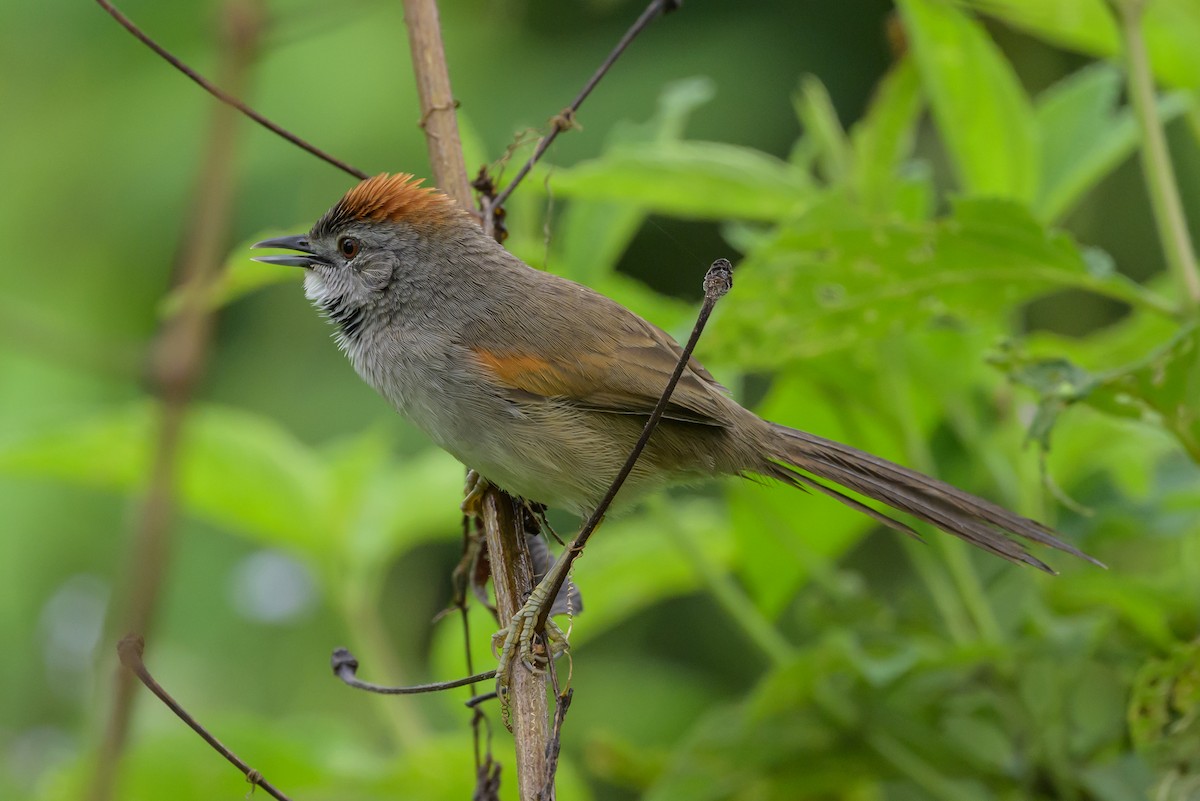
(512, 574)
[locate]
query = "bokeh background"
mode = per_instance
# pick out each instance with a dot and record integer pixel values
(740, 641)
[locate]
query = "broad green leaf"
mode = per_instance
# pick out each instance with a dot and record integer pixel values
(1164, 388)
(1161, 389)
(702, 180)
(1085, 134)
(883, 139)
(1080, 24)
(1171, 28)
(785, 537)
(236, 469)
(791, 755)
(815, 109)
(981, 110)
(594, 233)
(1126, 778)
(813, 729)
(835, 277)
(981, 741)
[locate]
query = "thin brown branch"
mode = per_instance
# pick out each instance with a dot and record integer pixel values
(717, 282)
(487, 769)
(562, 702)
(565, 119)
(228, 98)
(345, 667)
(130, 649)
(179, 356)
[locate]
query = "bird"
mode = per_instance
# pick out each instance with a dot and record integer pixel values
(542, 385)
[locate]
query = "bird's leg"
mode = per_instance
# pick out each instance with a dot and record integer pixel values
(473, 490)
(516, 641)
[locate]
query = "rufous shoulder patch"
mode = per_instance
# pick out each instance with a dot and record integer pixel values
(513, 369)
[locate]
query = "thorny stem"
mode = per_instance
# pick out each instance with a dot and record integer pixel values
(1156, 159)
(178, 360)
(130, 650)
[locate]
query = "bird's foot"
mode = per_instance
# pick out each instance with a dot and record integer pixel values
(519, 647)
(473, 490)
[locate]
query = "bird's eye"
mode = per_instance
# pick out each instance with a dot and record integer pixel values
(348, 245)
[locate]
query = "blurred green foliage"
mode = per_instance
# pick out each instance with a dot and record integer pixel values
(946, 257)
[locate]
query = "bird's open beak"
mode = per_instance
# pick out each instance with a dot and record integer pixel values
(298, 243)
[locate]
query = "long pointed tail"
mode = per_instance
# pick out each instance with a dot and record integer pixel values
(801, 459)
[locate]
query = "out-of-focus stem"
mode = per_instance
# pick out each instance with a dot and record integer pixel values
(1156, 159)
(177, 363)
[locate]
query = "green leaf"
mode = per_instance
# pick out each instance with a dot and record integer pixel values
(981, 110)
(235, 469)
(815, 109)
(1161, 389)
(702, 180)
(883, 139)
(785, 537)
(1126, 778)
(1171, 29)
(403, 505)
(594, 233)
(1164, 709)
(1085, 134)
(1080, 24)
(834, 277)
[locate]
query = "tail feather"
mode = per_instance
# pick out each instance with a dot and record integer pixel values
(979, 522)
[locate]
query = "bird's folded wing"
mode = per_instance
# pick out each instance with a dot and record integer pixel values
(603, 375)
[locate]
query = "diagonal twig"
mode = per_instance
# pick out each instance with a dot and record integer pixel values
(222, 95)
(130, 650)
(566, 118)
(717, 283)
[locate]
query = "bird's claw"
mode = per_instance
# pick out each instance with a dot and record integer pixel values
(473, 490)
(518, 644)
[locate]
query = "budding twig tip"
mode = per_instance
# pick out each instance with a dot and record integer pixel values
(718, 280)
